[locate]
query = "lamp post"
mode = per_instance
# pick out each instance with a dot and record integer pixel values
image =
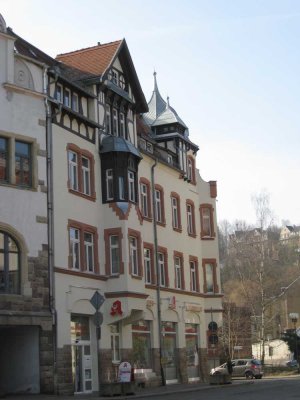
(294, 318)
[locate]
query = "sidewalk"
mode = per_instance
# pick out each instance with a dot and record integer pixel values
(139, 392)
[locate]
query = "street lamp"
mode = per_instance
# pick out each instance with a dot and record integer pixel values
(294, 318)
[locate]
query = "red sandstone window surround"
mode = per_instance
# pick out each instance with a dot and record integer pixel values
(194, 274)
(163, 266)
(149, 270)
(190, 211)
(207, 221)
(209, 266)
(83, 247)
(176, 215)
(145, 199)
(135, 255)
(114, 265)
(81, 176)
(179, 270)
(159, 205)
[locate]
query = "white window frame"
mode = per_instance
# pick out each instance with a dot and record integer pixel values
(144, 200)
(115, 343)
(89, 249)
(178, 270)
(75, 242)
(175, 216)
(121, 188)
(73, 171)
(133, 246)
(109, 179)
(59, 93)
(190, 225)
(158, 205)
(112, 248)
(193, 276)
(147, 265)
(131, 186)
(161, 267)
(86, 176)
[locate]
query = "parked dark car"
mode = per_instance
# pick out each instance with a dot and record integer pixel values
(248, 368)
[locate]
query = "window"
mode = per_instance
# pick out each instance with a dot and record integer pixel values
(115, 77)
(73, 170)
(115, 342)
(23, 163)
(67, 98)
(133, 255)
(115, 122)
(113, 252)
(159, 205)
(175, 203)
(59, 93)
(109, 184)
(121, 188)
(83, 247)
(131, 186)
(108, 119)
(75, 248)
(161, 264)
(86, 176)
(3, 159)
(89, 251)
(75, 102)
(191, 170)
(190, 211)
(191, 345)
(207, 223)
(147, 265)
(145, 201)
(194, 280)
(9, 264)
(17, 162)
(81, 172)
(178, 269)
(209, 274)
(122, 125)
(141, 344)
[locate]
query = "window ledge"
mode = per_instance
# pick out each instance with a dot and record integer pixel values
(179, 230)
(207, 238)
(19, 89)
(83, 195)
(136, 277)
(193, 235)
(14, 186)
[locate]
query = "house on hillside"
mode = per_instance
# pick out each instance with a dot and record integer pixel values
(130, 227)
(290, 233)
(276, 352)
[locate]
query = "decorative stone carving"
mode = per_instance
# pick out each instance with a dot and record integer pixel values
(23, 75)
(2, 24)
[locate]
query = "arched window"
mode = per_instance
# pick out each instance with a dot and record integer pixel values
(9, 264)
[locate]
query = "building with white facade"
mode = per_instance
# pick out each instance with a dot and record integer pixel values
(131, 226)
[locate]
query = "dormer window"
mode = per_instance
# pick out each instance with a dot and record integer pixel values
(115, 78)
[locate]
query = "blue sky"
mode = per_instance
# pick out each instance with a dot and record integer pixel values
(231, 69)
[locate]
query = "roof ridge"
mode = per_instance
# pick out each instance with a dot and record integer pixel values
(89, 48)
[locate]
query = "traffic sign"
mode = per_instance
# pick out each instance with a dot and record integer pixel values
(97, 300)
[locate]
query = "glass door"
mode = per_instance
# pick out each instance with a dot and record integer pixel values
(82, 367)
(169, 358)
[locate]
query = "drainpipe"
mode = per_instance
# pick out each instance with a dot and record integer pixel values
(49, 150)
(162, 372)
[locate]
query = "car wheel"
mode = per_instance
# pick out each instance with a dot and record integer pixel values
(249, 375)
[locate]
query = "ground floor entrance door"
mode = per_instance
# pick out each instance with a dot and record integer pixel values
(82, 367)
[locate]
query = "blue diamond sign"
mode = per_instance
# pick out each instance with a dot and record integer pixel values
(97, 300)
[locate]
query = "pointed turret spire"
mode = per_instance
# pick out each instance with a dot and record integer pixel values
(156, 105)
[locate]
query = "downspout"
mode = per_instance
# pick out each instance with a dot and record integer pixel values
(49, 152)
(162, 372)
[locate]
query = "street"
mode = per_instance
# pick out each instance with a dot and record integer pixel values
(265, 389)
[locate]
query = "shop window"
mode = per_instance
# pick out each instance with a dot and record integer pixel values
(191, 345)
(83, 255)
(10, 257)
(141, 344)
(207, 221)
(81, 172)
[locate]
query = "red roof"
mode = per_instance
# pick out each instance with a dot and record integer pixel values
(94, 60)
